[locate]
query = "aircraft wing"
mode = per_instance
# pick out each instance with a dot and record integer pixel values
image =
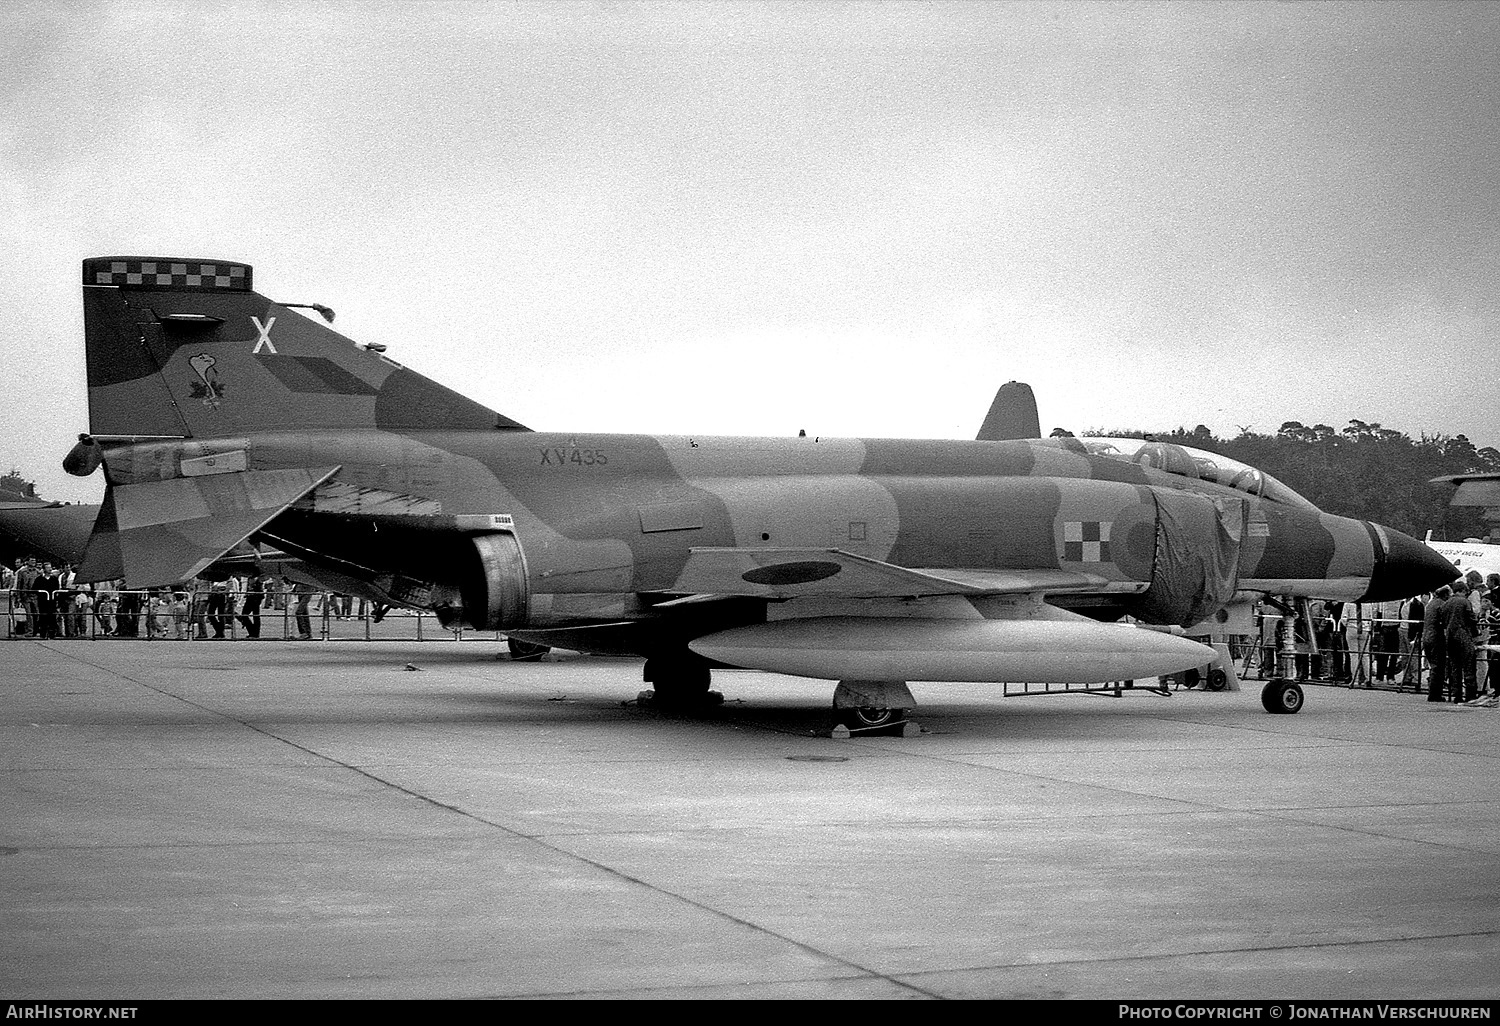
(163, 532)
(781, 573)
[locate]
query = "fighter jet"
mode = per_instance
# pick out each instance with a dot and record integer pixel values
(220, 416)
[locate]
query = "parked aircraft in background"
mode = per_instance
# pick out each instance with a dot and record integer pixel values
(1469, 554)
(54, 530)
(1479, 489)
(220, 416)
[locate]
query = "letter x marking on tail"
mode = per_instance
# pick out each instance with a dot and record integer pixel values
(265, 335)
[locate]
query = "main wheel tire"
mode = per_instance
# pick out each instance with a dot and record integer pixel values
(679, 683)
(525, 651)
(1281, 696)
(869, 721)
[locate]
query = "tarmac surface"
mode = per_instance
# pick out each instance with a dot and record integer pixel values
(316, 820)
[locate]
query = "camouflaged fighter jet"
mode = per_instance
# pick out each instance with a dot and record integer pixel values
(219, 416)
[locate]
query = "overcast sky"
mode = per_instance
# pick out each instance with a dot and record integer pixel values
(721, 218)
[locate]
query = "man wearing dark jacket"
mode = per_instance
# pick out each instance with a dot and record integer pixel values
(47, 584)
(1461, 628)
(1435, 644)
(255, 593)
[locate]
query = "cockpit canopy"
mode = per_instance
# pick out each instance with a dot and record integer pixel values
(1196, 464)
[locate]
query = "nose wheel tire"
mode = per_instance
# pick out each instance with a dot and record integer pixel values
(1281, 696)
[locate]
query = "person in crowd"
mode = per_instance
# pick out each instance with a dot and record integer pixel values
(1476, 589)
(104, 607)
(218, 604)
(156, 613)
(7, 585)
(1322, 638)
(1338, 644)
(1412, 612)
(47, 584)
(83, 608)
(1476, 602)
(1435, 644)
(303, 610)
(1489, 595)
(65, 599)
(198, 607)
(1489, 625)
(1461, 629)
(233, 589)
(1384, 641)
(255, 593)
(26, 588)
(128, 613)
(179, 607)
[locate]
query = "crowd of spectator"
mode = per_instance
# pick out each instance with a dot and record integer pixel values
(48, 601)
(1444, 643)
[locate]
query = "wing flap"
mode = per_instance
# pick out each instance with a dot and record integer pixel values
(163, 532)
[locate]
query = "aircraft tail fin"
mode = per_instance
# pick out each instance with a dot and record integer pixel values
(179, 347)
(1012, 415)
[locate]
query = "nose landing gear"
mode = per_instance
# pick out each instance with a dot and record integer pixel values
(1281, 696)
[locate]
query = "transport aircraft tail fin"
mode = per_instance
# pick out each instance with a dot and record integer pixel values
(187, 348)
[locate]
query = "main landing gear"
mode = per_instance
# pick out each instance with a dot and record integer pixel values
(1281, 696)
(860, 707)
(679, 683)
(873, 707)
(525, 651)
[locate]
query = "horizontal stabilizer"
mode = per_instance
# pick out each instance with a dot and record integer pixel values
(795, 573)
(996, 651)
(163, 532)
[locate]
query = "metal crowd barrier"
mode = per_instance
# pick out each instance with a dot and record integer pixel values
(199, 618)
(1363, 655)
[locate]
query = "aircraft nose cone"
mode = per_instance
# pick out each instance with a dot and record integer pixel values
(1408, 568)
